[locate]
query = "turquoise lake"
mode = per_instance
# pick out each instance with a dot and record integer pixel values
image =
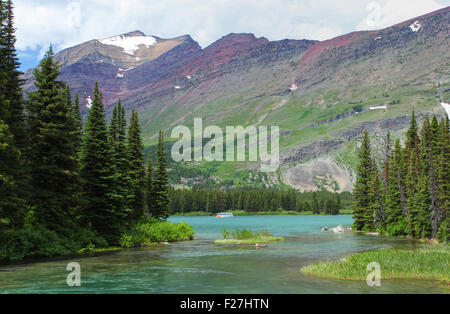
(200, 266)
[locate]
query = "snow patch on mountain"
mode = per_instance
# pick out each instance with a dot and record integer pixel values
(446, 108)
(415, 26)
(89, 102)
(130, 44)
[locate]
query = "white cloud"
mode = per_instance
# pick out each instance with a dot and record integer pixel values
(383, 14)
(41, 22)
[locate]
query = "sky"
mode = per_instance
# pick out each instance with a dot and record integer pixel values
(64, 23)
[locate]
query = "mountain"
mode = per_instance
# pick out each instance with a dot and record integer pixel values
(322, 94)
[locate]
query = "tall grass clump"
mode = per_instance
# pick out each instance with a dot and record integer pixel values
(429, 262)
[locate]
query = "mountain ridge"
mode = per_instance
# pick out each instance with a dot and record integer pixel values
(322, 94)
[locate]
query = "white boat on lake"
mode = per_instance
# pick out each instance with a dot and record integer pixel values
(224, 215)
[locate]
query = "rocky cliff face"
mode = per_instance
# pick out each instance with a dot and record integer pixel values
(321, 94)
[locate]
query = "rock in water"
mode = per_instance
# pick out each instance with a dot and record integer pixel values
(338, 229)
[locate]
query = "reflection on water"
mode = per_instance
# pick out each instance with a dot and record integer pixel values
(201, 266)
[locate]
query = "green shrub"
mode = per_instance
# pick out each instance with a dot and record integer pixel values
(37, 241)
(155, 231)
(226, 233)
(243, 234)
(33, 242)
(398, 229)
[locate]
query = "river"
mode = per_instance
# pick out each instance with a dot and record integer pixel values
(200, 266)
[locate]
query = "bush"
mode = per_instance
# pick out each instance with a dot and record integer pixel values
(155, 231)
(38, 241)
(398, 229)
(33, 242)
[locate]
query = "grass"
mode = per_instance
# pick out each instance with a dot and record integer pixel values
(429, 262)
(260, 240)
(247, 237)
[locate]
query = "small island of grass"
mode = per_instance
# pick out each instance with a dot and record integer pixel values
(247, 237)
(429, 262)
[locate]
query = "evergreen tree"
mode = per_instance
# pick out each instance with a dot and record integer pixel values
(162, 202)
(444, 180)
(51, 153)
(12, 105)
(78, 124)
(363, 202)
(394, 210)
(10, 202)
(97, 173)
(136, 168)
(123, 194)
(433, 158)
(4, 105)
(413, 177)
(149, 191)
(315, 204)
(377, 215)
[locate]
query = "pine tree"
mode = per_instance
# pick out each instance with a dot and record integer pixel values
(51, 153)
(377, 216)
(443, 173)
(315, 204)
(162, 201)
(363, 202)
(423, 198)
(4, 106)
(78, 124)
(136, 168)
(394, 209)
(149, 191)
(413, 177)
(123, 193)
(97, 173)
(11, 88)
(10, 202)
(433, 157)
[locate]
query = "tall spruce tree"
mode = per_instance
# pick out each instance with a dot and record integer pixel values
(413, 177)
(10, 202)
(51, 153)
(363, 213)
(394, 208)
(78, 124)
(315, 204)
(122, 180)
(11, 89)
(443, 173)
(149, 190)
(136, 167)
(162, 202)
(97, 174)
(4, 112)
(433, 158)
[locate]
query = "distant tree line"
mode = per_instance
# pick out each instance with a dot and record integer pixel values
(60, 179)
(256, 200)
(409, 194)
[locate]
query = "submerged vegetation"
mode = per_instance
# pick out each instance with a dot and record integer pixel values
(245, 236)
(430, 262)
